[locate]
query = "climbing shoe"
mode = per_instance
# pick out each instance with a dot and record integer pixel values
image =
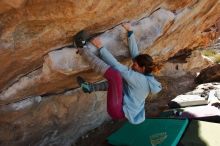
(80, 39)
(86, 87)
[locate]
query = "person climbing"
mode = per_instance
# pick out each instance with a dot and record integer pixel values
(127, 88)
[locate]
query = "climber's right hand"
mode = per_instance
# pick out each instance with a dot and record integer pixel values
(97, 42)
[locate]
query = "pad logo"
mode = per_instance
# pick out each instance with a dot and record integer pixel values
(158, 138)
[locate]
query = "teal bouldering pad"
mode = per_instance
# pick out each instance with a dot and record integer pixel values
(152, 132)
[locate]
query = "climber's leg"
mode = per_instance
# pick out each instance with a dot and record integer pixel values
(95, 62)
(114, 95)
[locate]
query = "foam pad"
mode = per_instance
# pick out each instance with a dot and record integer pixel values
(152, 132)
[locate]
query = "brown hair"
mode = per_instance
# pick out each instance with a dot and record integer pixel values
(145, 60)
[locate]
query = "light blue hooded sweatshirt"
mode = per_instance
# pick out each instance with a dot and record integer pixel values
(136, 86)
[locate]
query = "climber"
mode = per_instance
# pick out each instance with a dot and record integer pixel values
(127, 87)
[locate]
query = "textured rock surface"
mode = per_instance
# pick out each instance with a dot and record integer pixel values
(188, 63)
(205, 89)
(56, 120)
(209, 74)
(37, 72)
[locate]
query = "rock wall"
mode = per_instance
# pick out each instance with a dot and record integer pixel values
(187, 63)
(209, 74)
(39, 100)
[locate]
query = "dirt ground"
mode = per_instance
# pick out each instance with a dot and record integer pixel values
(154, 105)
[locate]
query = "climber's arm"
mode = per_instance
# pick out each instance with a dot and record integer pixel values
(106, 55)
(132, 44)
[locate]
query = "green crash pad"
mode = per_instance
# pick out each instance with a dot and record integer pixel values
(200, 133)
(152, 132)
